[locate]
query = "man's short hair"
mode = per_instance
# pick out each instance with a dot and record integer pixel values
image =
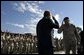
(46, 13)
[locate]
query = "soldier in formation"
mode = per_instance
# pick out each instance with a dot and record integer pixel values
(18, 44)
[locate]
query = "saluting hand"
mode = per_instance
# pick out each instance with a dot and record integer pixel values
(53, 18)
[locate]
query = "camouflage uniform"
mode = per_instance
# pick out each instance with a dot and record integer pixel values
(70, 36)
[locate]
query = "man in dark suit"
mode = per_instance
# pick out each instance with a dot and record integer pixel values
(43, 29)
(80, 50)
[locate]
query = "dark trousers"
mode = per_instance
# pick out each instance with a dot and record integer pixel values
(45, 50)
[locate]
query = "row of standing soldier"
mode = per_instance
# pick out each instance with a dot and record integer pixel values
(11, 44)
(18, 45)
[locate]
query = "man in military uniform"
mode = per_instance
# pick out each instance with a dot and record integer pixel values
(70, 36)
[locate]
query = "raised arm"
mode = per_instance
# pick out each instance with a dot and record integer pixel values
(56, 22)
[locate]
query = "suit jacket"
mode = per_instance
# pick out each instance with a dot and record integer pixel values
(43, 29)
